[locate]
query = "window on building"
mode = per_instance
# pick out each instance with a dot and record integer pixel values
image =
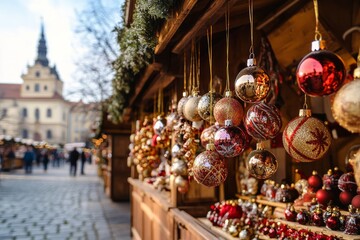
(48, 113)
(37, 114)
(4, 112)
(24, 112)
(24, 133)
(37, 87)
(37, 74)
(27, 87)
(49, 134)
(45, 88)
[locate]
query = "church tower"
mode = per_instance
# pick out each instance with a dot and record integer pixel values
(41, 80)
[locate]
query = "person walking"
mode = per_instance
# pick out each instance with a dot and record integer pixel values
(45, 160)
(73, 157)
(29, 156)
(83, 161)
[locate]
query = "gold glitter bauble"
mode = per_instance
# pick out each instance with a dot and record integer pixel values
(305, 138)
(228, 108)
(205, 104)
(191, 109)
(346, 106)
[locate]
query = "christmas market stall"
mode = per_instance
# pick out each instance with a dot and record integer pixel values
(245, 118)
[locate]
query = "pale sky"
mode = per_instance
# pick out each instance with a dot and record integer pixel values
(20, 22)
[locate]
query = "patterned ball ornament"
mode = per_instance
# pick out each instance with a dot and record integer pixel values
(263, 121)
(191, 108)
(320, 72)
(205, 105)
(306, 139)
(262, 164)
(346, 105)
(181, 104)
(252, 84)
(230, 140)
(207, 135)
(159, 125)
(209, 168)
(228, 108)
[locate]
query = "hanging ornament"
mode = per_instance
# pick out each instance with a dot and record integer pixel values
(190, 108)
(228, 108)
(178, 167)
(306, 139)
(160, 124)
(230, 140)
(263, 121)
(346, 105)
(320, 72)
(262, 164)
(207, 134)
(205, 103)
(209, 167)
(181, 104)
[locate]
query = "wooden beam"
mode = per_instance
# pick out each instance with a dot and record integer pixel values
(129, 11)
(162, 80)
(150, 69)
(203, 22)
(172, 25)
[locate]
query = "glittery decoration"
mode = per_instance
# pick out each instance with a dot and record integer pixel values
(159, 125)
(228, 108)
(209, 169)
(252, 84)
(320, 73)
(263, 121)
(190, 109)
(262, 164)
(205, 104)
(346, 106)
(208, 134)
(181, 104)
(306, 139)
(229, 141)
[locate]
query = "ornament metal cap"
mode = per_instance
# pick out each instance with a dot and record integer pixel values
(228, 94)
(210, 147)
(251, 62)
(357, 73)
(318, 45)
(228, 123)
(259, 146)
(305, 113)
(184, 94)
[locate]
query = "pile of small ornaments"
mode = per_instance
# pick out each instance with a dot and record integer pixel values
(248, 220)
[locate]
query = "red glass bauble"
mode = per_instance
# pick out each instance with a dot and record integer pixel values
(333, 222)
(262, 121)
(347, 183)
(206, 102)
(302, 217)
(262, 164)
(324, 196)
(315, 181)
(321, 72)
(230, 140)
(290, 213)
(252, 84)
(181, 104)
(317, 218)
(228, 108)
(306, 139)
(210, 168)
(356, 201)
(346, 197)
(207, 134)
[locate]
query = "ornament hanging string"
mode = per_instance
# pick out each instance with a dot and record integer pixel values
(191, 70)
(227, 23)
(251, 20)
(209, 41)
(184, 71)
(317, 32)
(305, 106)
(198, 67)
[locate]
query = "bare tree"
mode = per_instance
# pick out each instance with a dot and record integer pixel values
(94, 67)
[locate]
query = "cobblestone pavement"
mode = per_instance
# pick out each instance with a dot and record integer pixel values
(54, 206)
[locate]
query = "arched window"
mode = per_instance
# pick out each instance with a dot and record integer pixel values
(49, 113)
(25, 133)
(24, 112)
(49, 134)
(37, 114)
(37, 87)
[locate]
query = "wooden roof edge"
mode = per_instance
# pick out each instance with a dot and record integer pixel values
(172, 25)
(129, 11)
(162, 80)
(214, 12)
(150, 69)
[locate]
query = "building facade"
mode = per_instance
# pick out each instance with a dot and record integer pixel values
(37, 109)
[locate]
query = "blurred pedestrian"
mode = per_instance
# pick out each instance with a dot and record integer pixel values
(73, 157)
(83, 161)
(29, 157)
(45, 159)
(11, 157)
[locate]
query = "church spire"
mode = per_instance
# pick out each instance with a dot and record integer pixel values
(42, 50)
